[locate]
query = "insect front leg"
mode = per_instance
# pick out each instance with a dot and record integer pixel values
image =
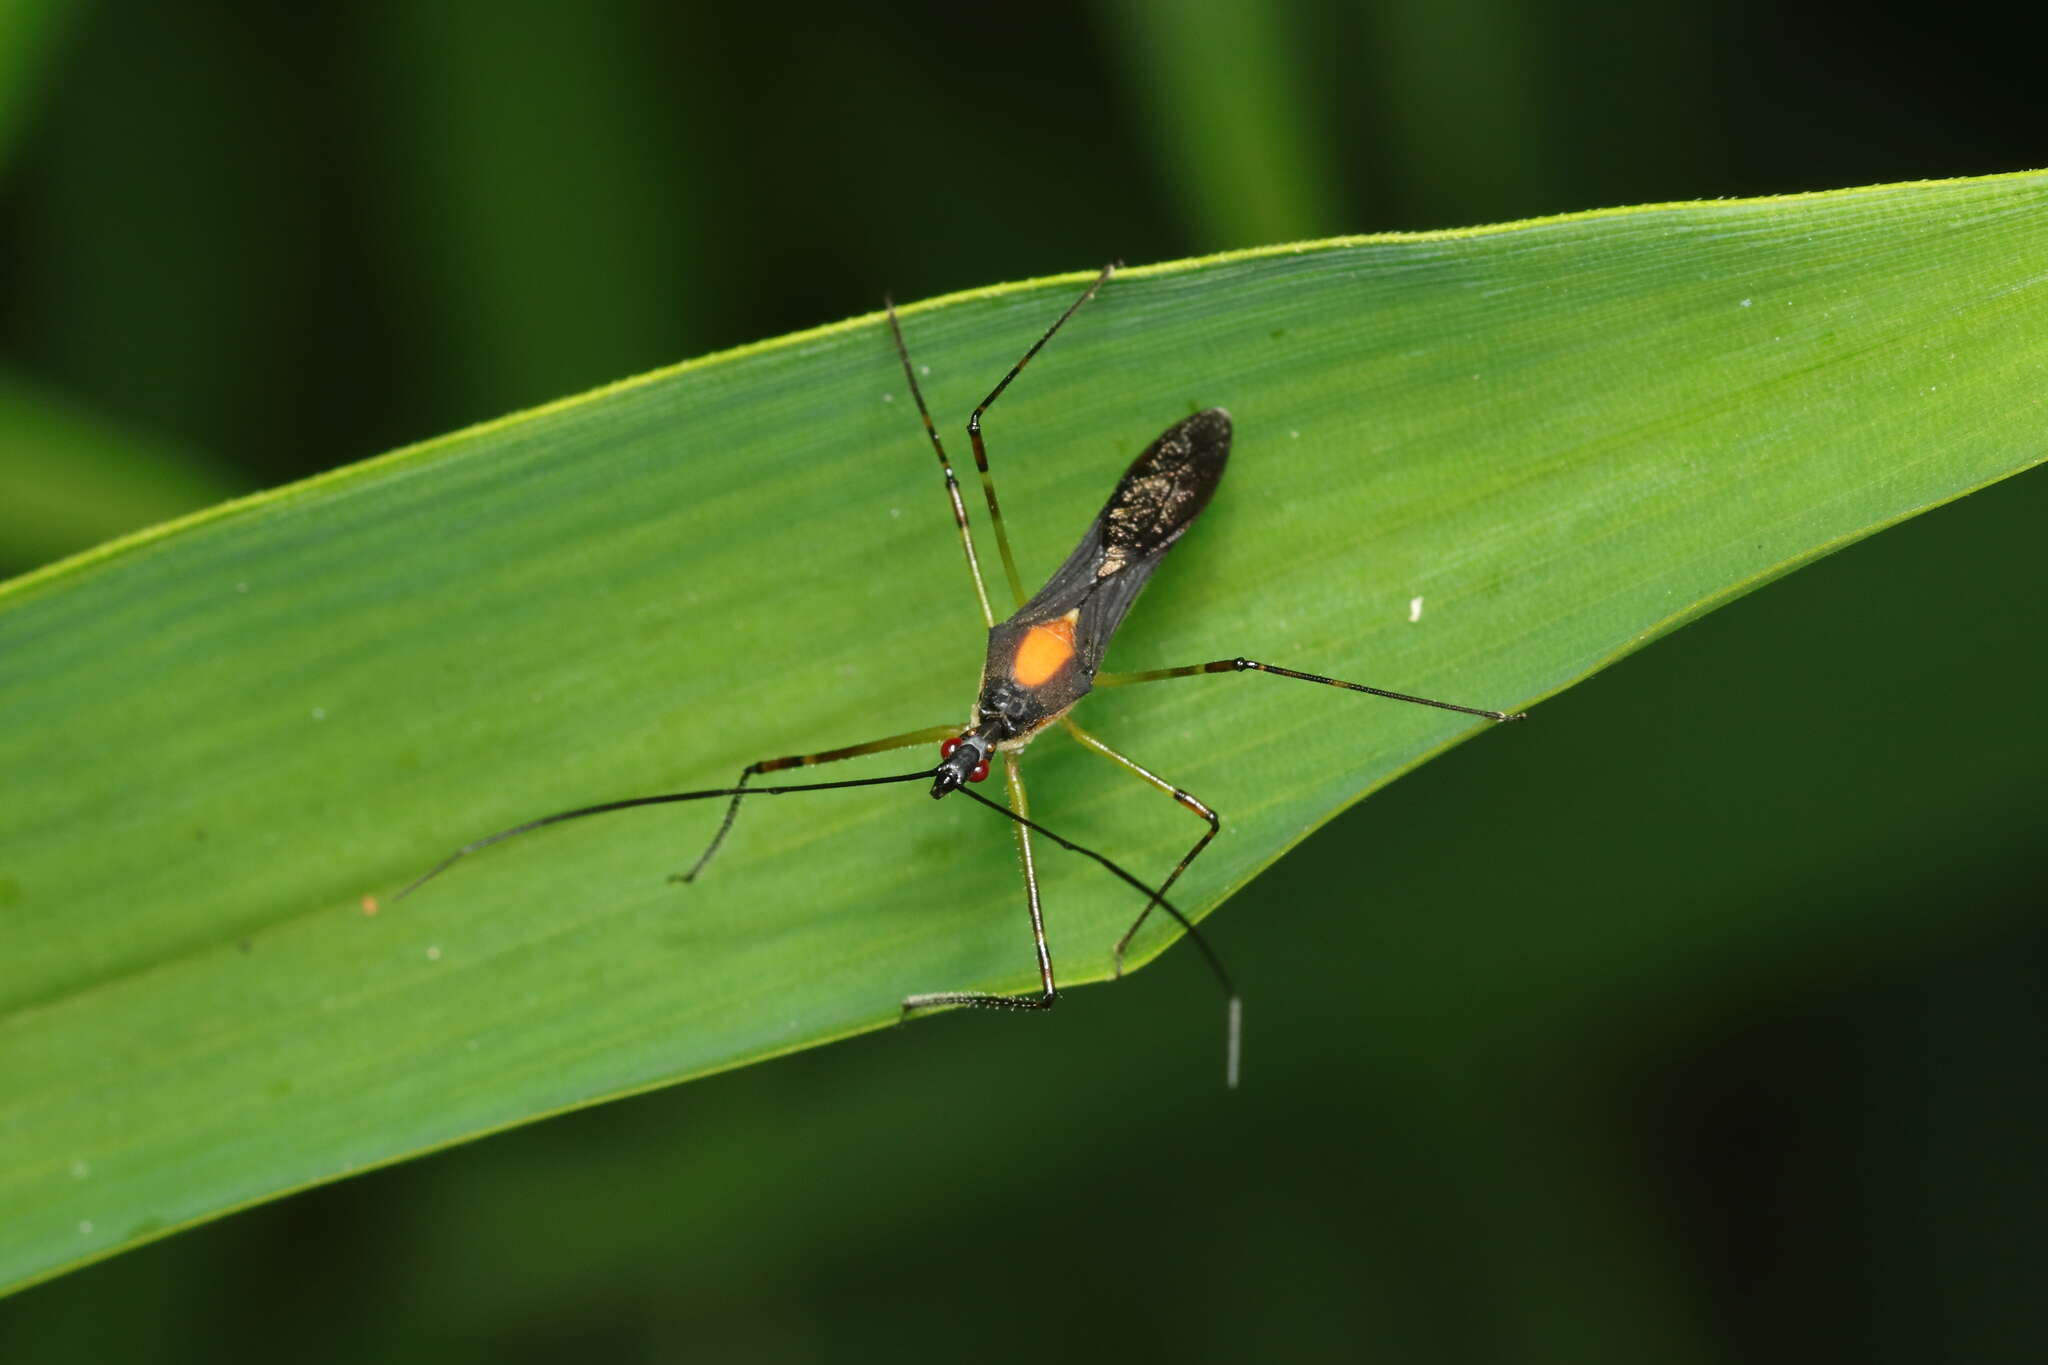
(931, 734)
(1048, 992)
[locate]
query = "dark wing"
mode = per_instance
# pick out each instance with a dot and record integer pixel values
(1155, 502)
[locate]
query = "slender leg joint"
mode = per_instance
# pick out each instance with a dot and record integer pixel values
(732, 812)
(1190, 803)
(931, 734)
(1187, 800)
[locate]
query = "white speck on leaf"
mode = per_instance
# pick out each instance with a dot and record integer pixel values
(1415, 609)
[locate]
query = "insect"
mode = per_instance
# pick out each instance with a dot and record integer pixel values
(1042, 660)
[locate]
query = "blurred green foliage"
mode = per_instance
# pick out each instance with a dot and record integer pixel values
(1600, 1095)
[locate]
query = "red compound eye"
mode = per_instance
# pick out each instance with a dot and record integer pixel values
(946, 747)
(980, 771)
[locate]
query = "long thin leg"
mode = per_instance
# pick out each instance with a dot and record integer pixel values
(988, 484)
(1187, 801)
(1243, 665)
(1235, 1017)
(1047, 992)
(988, 616)
(676, 798)
(931, 734)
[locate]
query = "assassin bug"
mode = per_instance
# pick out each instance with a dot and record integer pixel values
(1042, 660)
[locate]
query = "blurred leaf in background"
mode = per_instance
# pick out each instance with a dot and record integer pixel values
(1720, 1042)
(31, 33)
(70, 479)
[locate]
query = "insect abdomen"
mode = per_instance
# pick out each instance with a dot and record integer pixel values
(1164, 490)
(1043, 659)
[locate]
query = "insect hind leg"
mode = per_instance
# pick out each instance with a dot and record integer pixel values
(974, 436)
(988, 616)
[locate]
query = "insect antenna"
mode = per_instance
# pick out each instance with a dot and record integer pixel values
(633, 802)
(1235, 1024)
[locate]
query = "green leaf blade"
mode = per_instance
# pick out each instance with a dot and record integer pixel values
(1564, 438)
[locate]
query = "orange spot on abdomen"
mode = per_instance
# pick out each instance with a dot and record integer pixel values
(1044, 652)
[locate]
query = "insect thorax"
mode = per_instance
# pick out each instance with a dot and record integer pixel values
(1025, 684)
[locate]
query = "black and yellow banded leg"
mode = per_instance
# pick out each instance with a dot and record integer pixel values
(988, 484)
(1253, 665)
(1047, 992)
(988, 616)
(1188, 802)
(931, 734)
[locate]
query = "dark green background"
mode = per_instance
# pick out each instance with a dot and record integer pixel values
(1699, 1018)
